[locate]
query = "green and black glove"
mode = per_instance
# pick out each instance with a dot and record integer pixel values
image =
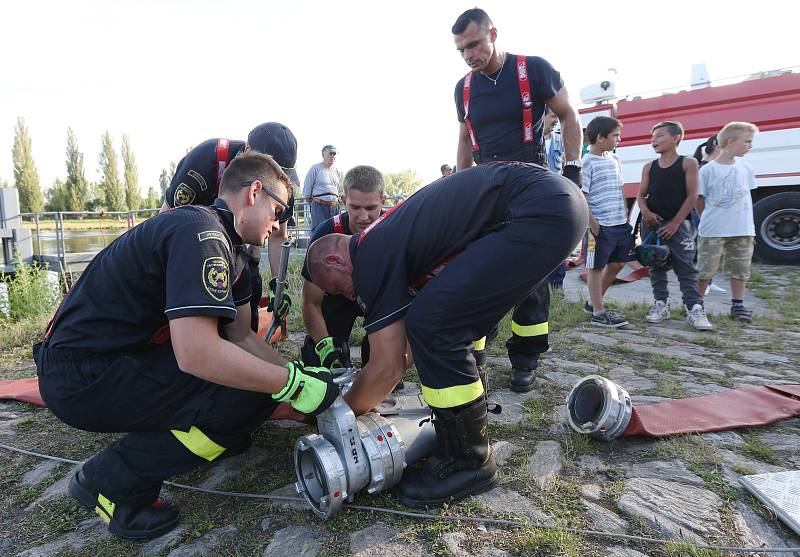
(329, 354)
(282, 311)
(309, 390)
(573, 173)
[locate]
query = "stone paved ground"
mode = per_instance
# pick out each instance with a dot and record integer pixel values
(684, 488)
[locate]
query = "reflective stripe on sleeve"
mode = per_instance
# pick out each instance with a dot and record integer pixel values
(450, 397)
(199, 443)
(480, 344)
(530, 330)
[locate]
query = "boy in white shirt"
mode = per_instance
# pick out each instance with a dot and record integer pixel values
(726, 209)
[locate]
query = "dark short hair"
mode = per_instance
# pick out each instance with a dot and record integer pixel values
(601, 126)
(673, 128)
(250, 166)
(363, 178)
(480, 17)
(706, 147)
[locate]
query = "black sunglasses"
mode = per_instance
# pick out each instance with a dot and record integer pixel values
(269, 193)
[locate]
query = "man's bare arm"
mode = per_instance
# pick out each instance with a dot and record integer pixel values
(571, 131)
(464, 152)
(385, 369)
(312, 311)
(200, 351)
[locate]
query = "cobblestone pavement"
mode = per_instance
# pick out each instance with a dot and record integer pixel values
(684, 489)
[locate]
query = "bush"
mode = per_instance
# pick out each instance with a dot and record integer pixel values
(30, 293)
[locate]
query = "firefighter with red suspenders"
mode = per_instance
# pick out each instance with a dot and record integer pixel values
(329, 318)
(197, 178)
(501, 106)
(440, 270)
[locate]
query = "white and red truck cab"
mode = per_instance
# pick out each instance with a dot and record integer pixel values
(772, 103)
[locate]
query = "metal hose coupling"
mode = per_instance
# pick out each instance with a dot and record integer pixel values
(598, 407)
(371, 451)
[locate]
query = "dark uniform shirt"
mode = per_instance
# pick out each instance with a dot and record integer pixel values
(337, 224)
(184, 262)
(495, 111)
(394, 256)
(195, 180)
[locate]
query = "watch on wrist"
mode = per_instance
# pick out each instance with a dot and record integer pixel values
(575, 162)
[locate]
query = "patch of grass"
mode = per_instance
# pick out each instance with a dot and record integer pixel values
(668, 388)
(576, 444)
(742, 470)
(683, 549)
(16, 340)
(541, 410)
(540, 542)
(692, 449)
(665, 363)
(755, 447)
(713, 480)
(565, 314)
(611, 491)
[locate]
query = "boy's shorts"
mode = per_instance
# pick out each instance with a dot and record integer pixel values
(612, 245)
(738, 252)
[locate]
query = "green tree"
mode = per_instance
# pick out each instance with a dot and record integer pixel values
(166, 177)
(401, 184)
(58, 197)
(132, 197)
(110, 187)
(152, 201)
(76, 184)
(26, 178)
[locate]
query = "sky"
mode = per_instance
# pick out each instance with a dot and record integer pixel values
(375, 79)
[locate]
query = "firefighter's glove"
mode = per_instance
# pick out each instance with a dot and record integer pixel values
(573, 173)
(279, 313)
(329, 354)
(309, 390)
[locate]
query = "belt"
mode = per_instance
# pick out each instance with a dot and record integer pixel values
(319, 201)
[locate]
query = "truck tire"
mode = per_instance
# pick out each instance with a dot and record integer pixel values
(777, 220)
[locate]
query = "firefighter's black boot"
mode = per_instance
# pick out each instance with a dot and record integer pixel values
(462, 463)
(522, 379)
(128, 522)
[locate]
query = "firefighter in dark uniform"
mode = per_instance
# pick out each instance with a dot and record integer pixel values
(196, 182)
(329, 319)
(154, 340)
(501, 107)
(440, 270)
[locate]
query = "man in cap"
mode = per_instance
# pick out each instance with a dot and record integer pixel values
(164, 351)
(420, 272)
(321, 187)
(197, 178)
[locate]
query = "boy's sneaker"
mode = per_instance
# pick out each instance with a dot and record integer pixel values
(658, 313)
(713, 288)
(609, 319)
(741, 314)
(587, 307)
(697, 318)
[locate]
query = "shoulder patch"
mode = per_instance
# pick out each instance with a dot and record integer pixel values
(199, 179)
(217, 277)
(184, 195)
(212, 235)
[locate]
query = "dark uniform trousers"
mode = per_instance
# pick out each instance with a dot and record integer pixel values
(176, 421)
(492, 275)
(340, 315)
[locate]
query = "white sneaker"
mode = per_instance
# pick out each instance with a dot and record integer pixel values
(697, 318)
(658, 313)
(714, 288)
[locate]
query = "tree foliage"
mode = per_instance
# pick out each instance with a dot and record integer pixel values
(401, 184)
(153, 200)
(26, 177)
(110, 187)
(166, 177)
(58, 197)
(77, 186)
(131, 173)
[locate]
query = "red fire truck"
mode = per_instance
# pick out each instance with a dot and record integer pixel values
(770, 101)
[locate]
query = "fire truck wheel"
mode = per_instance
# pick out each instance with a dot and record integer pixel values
(777, 220)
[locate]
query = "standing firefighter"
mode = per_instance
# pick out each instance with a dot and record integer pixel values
(440, 270)
(501, 107)
(164, 352)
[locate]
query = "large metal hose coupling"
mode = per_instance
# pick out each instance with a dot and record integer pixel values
(599, 407)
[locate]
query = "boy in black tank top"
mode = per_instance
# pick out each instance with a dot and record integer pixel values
(667, 194)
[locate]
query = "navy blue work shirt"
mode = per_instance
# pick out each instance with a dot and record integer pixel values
(195, 180)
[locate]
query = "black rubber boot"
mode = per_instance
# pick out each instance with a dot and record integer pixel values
(460, 466)
(522, 379)
(125, 521)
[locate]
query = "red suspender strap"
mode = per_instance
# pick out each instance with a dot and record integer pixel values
(338, 225)
(222, 160)
(527, 101)
(380, 219)
(467, 87)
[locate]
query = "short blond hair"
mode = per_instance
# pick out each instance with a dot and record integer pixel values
(733, 131)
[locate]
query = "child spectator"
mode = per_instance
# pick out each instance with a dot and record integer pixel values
(706, 152)
(667, 195)
(726, 214)
(609, 240)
